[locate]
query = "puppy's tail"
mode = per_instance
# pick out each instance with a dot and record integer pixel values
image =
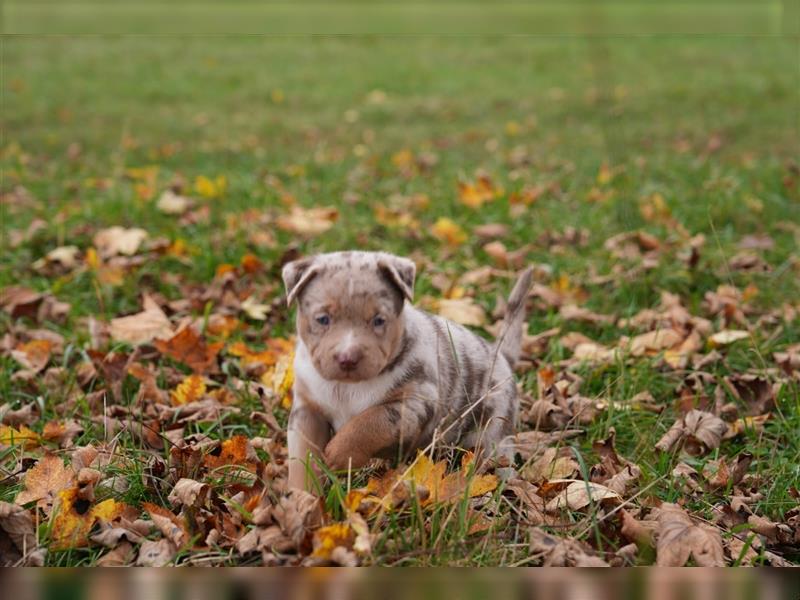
(509, 341)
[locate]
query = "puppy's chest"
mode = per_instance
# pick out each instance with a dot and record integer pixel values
(339, 401)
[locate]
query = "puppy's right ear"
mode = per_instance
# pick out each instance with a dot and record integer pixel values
(296, 276)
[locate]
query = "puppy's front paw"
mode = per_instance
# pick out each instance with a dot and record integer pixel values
(339, 455)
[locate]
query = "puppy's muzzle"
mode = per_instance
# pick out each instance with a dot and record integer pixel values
(348, 359)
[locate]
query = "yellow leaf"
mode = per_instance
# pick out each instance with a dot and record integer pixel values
(253, 357)
(474, 195)
(23, 436)
(327, 538)
(604, 174)
(210, 188)
(191, 389)
(430, 482)
(73, 521)
(447, 231)
(280, 379)
(92, 259)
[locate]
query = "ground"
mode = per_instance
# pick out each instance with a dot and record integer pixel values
(409, 145)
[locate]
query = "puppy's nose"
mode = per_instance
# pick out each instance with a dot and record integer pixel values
(349, 359)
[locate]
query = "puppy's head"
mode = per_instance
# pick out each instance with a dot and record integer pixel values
(350, 307)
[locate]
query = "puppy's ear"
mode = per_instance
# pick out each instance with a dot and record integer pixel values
(296, 275)
(401, 272)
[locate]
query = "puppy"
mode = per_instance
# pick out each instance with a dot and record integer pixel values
(377, 377)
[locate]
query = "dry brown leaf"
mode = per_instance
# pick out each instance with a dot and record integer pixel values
(572, 312)
(143, 327)
(680, 538)
(697, 432)
(44, 481)
(550, 466)
(653, 342)
(157, 553)
(528, 444)
(579, 494)
(120, 556)
(17, 523)
(622, 481)
(171, 203)
(188, 492)
(33, 355)
(62, 432)
(119, 241)
(308, 222)
(562, 552)
(462, 310)
(641, 532)
(298, 514)
(171, 526)
(727, 337)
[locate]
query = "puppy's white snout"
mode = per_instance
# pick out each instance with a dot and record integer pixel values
(348, 354)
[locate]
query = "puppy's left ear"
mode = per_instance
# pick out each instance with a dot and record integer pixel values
(401, 271)
(296, 275)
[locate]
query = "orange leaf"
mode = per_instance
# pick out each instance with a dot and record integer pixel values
(33, 355)
(189, 348)
(191, 389)
(44, 480)
(235, 451)
(251, 264)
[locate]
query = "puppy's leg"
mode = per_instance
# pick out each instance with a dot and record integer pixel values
(377, 429)
(307, 435)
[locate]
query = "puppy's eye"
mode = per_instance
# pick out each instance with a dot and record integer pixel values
(378, 321)
(324, 320)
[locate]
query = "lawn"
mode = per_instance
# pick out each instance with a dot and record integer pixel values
(634, 173)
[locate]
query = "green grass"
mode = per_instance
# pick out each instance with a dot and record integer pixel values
(252, 108)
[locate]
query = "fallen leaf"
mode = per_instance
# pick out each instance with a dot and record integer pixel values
(33, 355)
(187, 347)
(550, 466)
(210, 188)
(44, 480)
(697, 431)
(23, 436)
(74, 518)
(562, 552)
(17, 524)
(170, 526)
(158, 553)
(654, 342)
(308, 222)
(188, 492)
(254, 309)
(191, 389)
(579, 494)
(448, 231)
(463, 311)
(727, 337)
(171, 203)
(680, 538)
(119, 241)
(143, 327)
